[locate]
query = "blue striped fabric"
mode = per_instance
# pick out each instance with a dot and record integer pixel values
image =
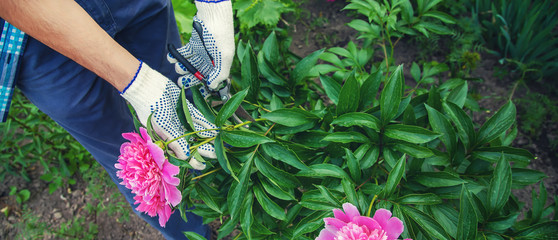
(11, 48)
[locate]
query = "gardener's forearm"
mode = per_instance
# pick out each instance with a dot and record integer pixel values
(65, 27)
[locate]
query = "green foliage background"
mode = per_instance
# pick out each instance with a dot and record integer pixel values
(344, 125)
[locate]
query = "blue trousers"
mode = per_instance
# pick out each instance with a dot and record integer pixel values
(88, 107)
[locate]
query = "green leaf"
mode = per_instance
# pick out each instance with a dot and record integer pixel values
(420, 199)
(462, 121)
(349, 190)
(324, 170)
(243, 138)
(370, 157)
(493, 154)
(265, 12)
(328, 195)
(349, 96)
(429, 226)
(413, 150)
(230, 107)
(525, 176)
(442, 125)
(247, 217)
(270, 48)
(187, 117)
(206, 193)
(394, 177)
(409, 133)
(290, 117)
(353, 164)
(202, 105)
(391, 95)
(499, 189)
(545, 230)
(458, 95)
(447, 216)
(331, 87)
(250, 75)
(283, 154)
(302, 68)
(358, 119)
(497, 124)
(269, 72)
(415, 72)
(442, 16)
(369, 89)
(275, 174)
(467, 224)
(221, 156)
(268, 205)
(307, 225)
(239, 190)
(193, 236)
(346, 137)
(438, 179)
(275, 190)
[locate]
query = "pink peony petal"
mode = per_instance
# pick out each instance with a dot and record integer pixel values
(132, 137)
(164, 215)
(157, 154)
(393, 226)
(325, 235)
(339, 214)
(369, 222)
(169, 171)
(350, 210)
(335, 223)
(144, 135)
(172, 195)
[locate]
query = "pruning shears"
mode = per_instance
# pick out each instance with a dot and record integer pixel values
(222, 92)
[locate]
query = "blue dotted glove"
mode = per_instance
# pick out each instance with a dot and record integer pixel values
(151, 92)
(211, 47)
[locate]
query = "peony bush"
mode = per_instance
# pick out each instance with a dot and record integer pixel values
(340, 129)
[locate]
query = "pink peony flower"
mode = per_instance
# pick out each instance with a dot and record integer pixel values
(350, 225)
(145, 170)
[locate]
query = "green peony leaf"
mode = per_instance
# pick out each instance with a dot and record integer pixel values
(358, 119)
(230, 107)
(499, 189)
(497, 124)
(291, 117)
(467, 224)
(394, 177)
(349, 96)
(268, 205)
(243, 138)
(331, 88)
(410, 133)
(391, 95)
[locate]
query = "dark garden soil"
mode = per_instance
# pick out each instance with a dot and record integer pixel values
(323, 25)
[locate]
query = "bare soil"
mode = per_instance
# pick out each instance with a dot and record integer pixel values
(323, 25)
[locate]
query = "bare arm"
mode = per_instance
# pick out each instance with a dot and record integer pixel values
(65, 27)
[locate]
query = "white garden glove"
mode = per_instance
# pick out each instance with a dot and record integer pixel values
(151, 92)
(211, 47)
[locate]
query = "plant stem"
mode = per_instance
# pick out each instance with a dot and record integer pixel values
(191, 133)
(202, 143)
(371, 204)
(205, 174)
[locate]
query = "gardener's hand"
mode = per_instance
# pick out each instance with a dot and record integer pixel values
(211, 47)
(150, 92)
